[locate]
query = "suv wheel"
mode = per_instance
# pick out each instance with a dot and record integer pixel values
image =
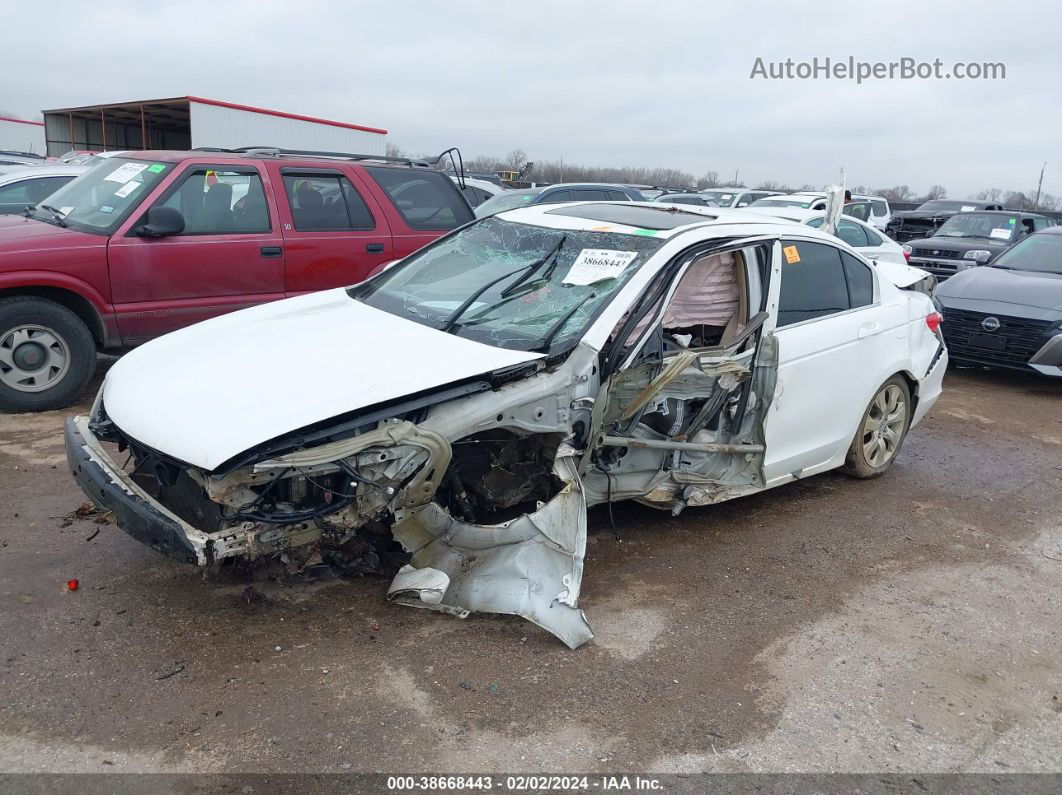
(881, 430)
(47, 355)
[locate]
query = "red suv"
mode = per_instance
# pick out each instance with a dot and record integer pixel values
(149, 242)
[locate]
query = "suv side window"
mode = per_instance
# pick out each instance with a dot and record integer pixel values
(1041, 223)
(813, 282)
(216, 202)
(321, 202)
(557, 196)
(425, 199)
(589, 195)
(618, 196)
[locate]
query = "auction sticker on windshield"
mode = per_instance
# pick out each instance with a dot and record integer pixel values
(127, 188)
(597, 264)
(1002, 234)
(125, 172)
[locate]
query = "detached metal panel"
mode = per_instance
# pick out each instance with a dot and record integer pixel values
(230, 127)
(22, 136)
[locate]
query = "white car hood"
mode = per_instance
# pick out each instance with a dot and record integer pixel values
(211, 391)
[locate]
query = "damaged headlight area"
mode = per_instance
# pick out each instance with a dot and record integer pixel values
(327, 504)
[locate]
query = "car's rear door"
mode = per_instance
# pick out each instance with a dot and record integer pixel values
(334, 234)
(229, 256)
(834, 335)
(421, 205)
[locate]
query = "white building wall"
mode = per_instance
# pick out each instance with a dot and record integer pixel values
(230, 128)
(24, 137)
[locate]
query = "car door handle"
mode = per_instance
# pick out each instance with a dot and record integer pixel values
(867, 329)
(271, 252)
(374, 248)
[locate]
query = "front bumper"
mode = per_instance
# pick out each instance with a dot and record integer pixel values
(135, 512)
(943, 269)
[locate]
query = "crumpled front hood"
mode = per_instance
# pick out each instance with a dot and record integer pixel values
(211, 391)
(1026, 288)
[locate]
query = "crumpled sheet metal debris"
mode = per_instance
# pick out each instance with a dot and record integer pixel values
(531, 566)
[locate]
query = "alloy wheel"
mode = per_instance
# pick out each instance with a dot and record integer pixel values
(884, 425)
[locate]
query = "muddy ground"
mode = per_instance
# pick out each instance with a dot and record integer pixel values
(908, 623)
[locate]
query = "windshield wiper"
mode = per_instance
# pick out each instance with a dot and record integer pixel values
(56, 215)
(534, 266)
(453, 317)
(544, 343)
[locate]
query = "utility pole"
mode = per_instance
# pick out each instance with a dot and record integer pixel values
(736, 172)
(1036, 204)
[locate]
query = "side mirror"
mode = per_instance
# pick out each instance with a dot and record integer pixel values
(161, 222)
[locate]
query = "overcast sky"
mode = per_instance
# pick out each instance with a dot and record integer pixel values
(605, 83)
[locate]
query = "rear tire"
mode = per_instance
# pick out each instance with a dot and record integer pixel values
(881, 431)
(47, 354)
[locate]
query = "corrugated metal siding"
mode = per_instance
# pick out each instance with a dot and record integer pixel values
(24, 137)
(64, 134)
(229, 128)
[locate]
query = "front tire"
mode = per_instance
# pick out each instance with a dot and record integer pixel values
(47, 354)
(881, 432)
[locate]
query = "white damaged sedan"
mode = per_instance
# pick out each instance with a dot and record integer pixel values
(453, 417)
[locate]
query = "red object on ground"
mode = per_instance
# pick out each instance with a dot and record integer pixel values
(71, 585)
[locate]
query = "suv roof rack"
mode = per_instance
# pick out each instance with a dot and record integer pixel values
(274, 151)
(456, 161)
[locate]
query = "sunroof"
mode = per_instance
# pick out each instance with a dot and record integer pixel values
(634, 215)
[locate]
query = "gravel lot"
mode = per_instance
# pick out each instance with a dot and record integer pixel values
(911, 623)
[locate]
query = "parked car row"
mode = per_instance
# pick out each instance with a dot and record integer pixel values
(143, 243)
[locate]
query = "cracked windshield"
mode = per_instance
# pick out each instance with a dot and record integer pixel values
(511, 285)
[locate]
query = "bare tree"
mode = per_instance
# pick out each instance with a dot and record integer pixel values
(393, 150)
(991, 195)
(936, 192)
(709, 180)
(515, 159)
(897, 193)
(1018, 200)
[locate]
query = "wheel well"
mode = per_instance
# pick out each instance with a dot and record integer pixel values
(912, 387)
(75, 303)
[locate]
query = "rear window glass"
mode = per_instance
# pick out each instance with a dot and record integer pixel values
(425, 200)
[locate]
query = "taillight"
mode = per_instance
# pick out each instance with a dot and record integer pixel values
(907, 252)
(933, 321)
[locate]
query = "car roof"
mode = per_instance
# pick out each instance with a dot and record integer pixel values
(1051, 230)
(609, 185)
(237, 158)
(17, 174)
(653, 220)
